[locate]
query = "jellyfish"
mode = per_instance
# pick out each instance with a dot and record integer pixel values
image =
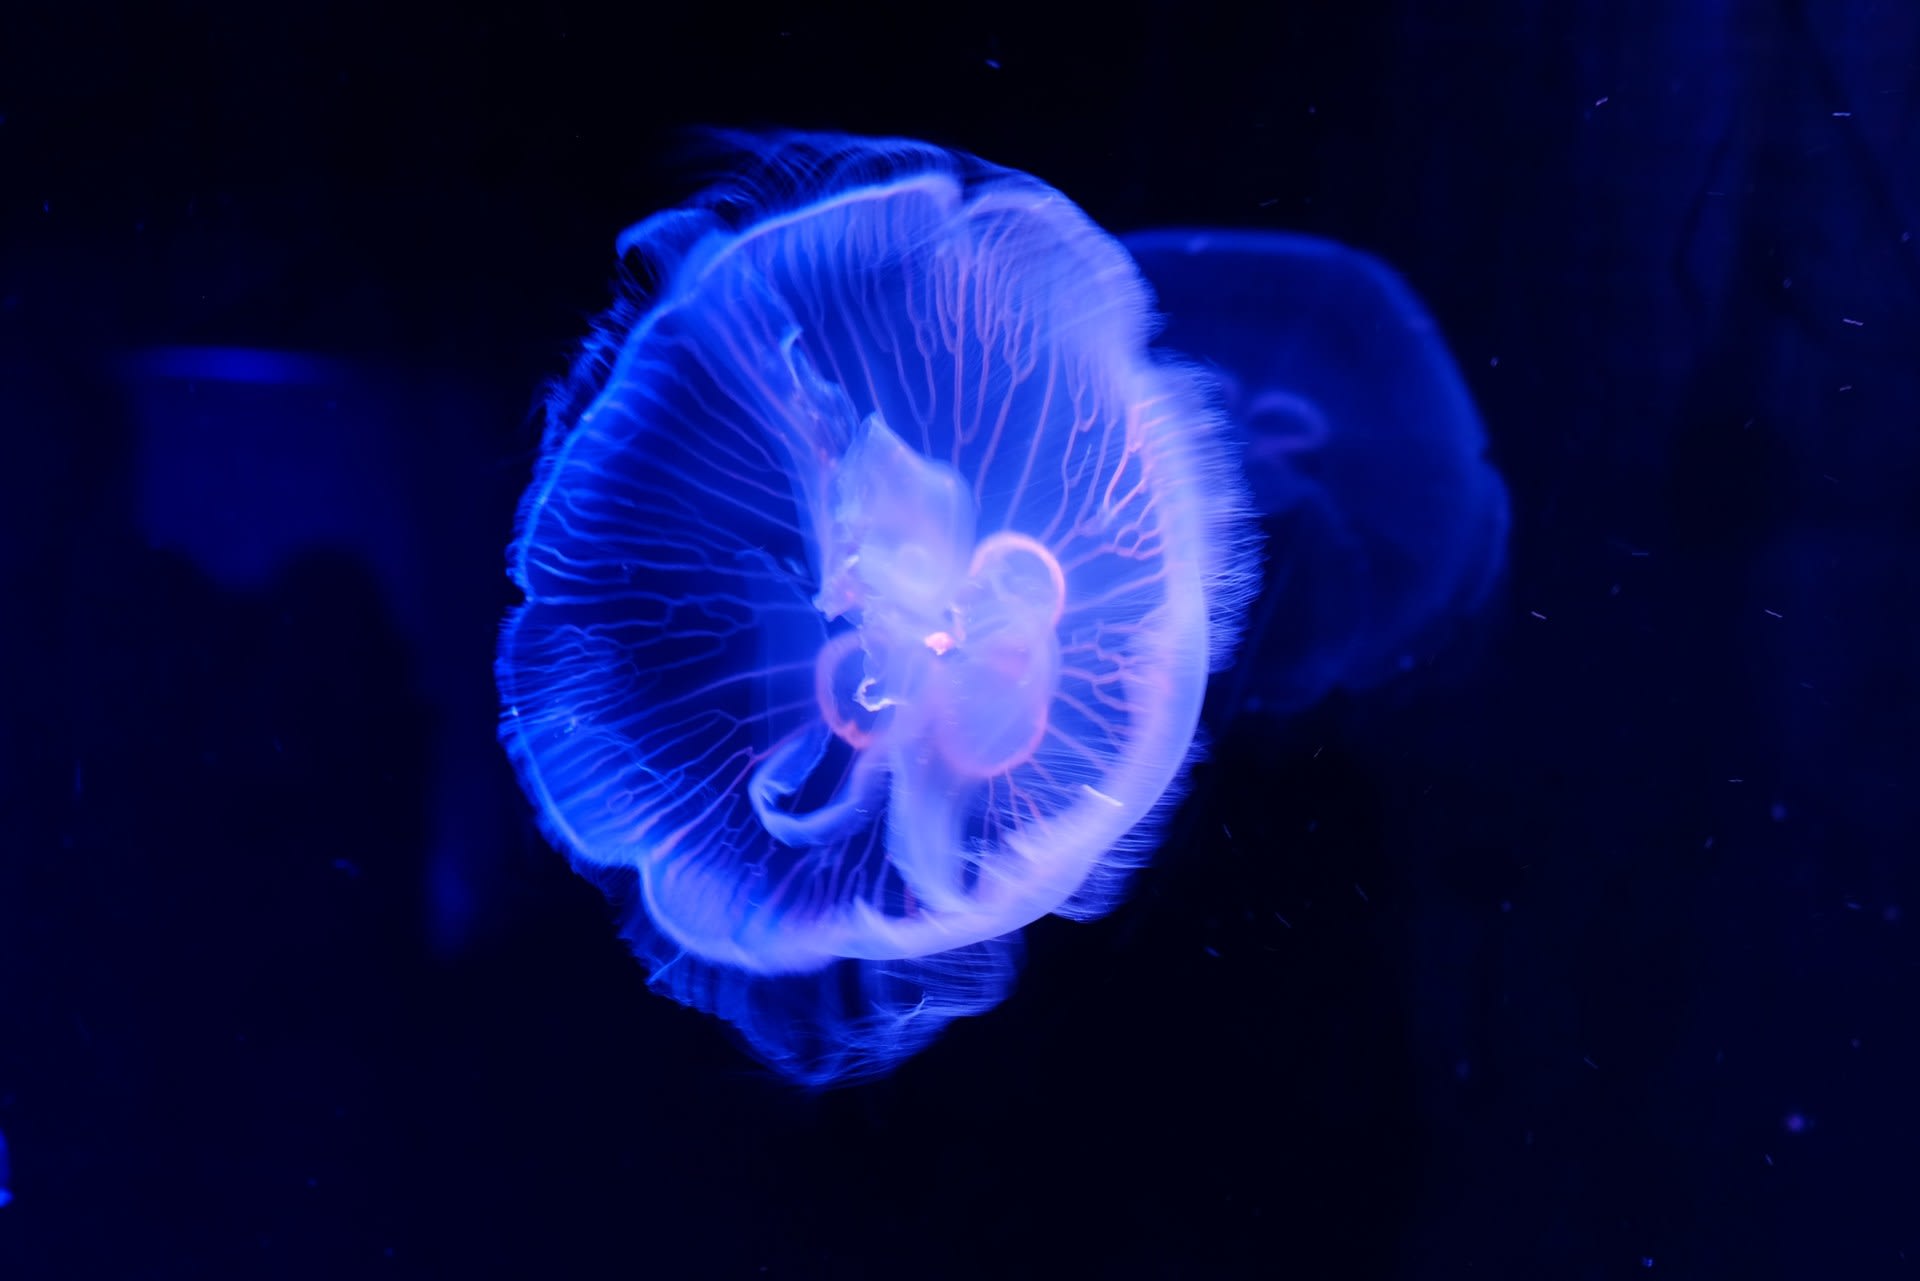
(1385, 523)
(874, 570)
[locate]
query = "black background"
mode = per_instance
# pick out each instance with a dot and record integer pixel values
(1580, 954)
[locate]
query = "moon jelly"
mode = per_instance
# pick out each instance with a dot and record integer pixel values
(874, 570)
(1384, 521)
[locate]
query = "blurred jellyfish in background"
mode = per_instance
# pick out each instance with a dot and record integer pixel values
(874, 571)
(1384, 522)
(250, 460)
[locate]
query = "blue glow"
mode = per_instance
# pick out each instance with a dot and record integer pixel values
(874, 570)
(1384, 520)
(6, 1173)
(250, 462)
(250, 458)
(235, 365)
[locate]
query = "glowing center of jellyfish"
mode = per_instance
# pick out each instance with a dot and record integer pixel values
(956, 644)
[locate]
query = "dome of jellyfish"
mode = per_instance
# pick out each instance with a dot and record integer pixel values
(874, 570)
(1385, 524)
